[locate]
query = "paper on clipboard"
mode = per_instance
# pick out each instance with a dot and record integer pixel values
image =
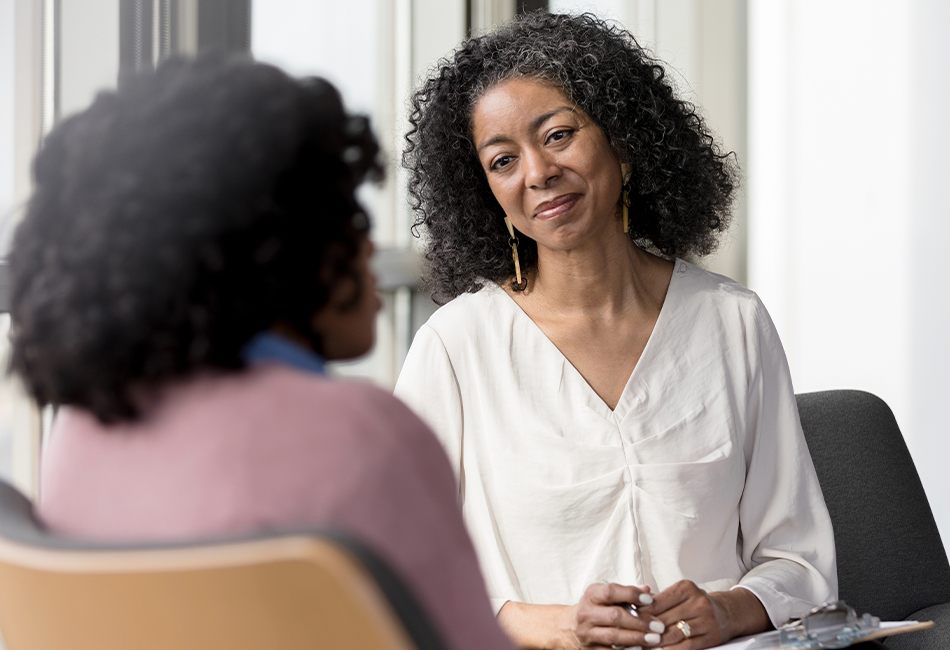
(770, 640)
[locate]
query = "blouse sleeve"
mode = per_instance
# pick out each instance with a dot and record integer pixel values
(429, 385)
(787, 539)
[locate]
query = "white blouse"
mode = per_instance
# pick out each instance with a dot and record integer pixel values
(700, 472)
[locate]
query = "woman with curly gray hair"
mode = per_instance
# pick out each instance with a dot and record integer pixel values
(622, 423)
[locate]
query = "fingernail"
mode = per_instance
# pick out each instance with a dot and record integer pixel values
(657, 626)
(646, 599)
(651, 638)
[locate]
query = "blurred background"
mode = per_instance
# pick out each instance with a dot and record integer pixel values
(835, 109)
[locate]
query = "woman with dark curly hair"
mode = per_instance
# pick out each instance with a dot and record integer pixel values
(622, 423)
(192, 253)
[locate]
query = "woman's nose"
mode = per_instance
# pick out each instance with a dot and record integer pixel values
(540, 169)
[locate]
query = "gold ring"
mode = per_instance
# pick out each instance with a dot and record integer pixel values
(683, 627)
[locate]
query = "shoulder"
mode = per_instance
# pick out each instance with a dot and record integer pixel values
(377, 410)
(708, 284)
(466, 310)
(711, 292)
(350, 414)
(402, 443)
(714, 310)
(351, 407)
(470, 322)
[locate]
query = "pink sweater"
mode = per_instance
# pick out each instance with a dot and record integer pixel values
(274, 448)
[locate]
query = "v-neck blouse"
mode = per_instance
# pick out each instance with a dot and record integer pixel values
(700, 471)
(593, 401)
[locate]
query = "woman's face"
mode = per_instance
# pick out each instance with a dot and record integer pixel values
(548, 164)
(348, 331)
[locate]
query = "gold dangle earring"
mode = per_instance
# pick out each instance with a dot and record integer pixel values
(519, 284)
(625, 196)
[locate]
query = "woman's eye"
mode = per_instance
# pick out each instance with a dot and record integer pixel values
(560, 134)
(501, 162)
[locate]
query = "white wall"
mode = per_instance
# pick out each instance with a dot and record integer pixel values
(373, 52)
(313, 38)
(848, 217)
(927, 221)
(7, 149)
(7, 107)
(89, 55)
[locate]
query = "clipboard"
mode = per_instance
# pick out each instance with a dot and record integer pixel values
(770, 640)
(893, 628)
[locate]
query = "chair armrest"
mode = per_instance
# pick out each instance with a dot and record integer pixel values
(936, 638)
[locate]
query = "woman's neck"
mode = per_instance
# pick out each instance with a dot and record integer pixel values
(607, 276)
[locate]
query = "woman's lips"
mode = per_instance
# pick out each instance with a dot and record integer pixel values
(556, 207)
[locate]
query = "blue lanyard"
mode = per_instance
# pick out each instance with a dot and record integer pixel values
(269, 347)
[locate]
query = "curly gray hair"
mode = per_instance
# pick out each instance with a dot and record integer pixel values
(681, 186)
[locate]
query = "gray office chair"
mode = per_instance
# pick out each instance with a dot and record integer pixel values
(891, 561)
(295, 590)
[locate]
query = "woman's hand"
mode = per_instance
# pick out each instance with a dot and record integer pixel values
(602, 619)
(708, 619)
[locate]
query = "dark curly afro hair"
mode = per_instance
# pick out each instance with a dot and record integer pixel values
(681, 185)
(176, 218)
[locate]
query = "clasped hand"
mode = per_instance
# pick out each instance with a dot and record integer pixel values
(603, 618)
